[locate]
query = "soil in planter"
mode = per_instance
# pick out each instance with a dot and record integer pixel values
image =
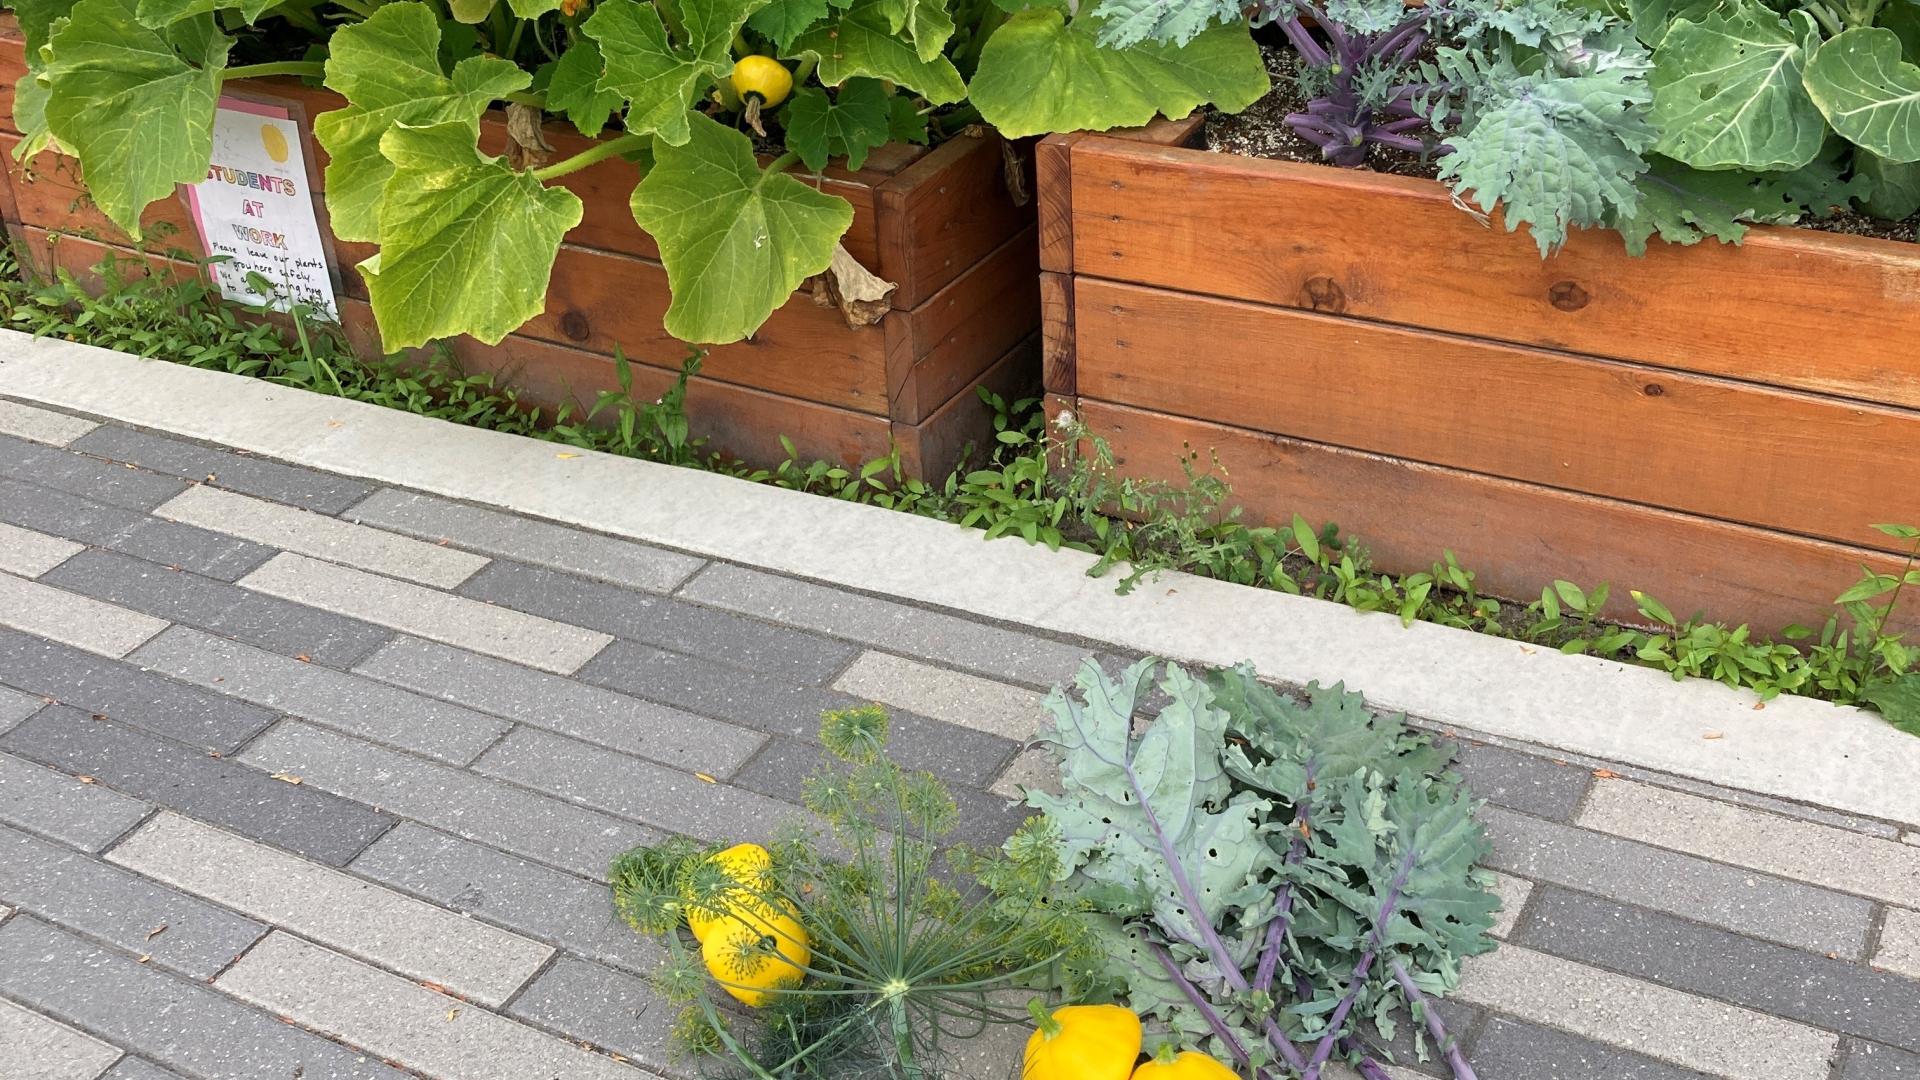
(1261, 131)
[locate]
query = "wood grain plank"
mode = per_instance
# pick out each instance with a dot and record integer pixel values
(966, 327)
(937, 445)
(1057, 333)
(942, 214)
(1818, 466)
(1053, 192)
(1516, 537)
(1395, 249)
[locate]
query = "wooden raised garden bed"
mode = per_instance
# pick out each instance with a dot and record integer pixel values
(941, 223)
(1717, 426)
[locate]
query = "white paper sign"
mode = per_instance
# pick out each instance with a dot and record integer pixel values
(254, 208)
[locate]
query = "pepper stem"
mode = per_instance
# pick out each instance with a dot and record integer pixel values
(1049, 1027)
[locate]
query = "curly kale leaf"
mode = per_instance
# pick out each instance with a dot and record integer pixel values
(1168, 22)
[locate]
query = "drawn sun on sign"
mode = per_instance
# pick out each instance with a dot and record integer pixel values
(274, 143)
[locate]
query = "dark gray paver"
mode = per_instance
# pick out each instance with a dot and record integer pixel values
(793, 655)
(781, 770)
(126, 693)
(168, 543)
(179, 1023)
(608, 1008)
(1826, 993)
(245, 800)
(258, 619)
(1522, 782)
(1871, 1061)
(121, 908)
(51, 803)
(132, 1068)
(556, 907)
(118, 485)
(17, 705)
(760, 701)
(244, 473)
(1514, 1050)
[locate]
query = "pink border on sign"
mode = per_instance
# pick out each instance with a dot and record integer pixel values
(257, 108)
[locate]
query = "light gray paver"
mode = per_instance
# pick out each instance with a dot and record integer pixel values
(1662, 1023)
(1900, 942)
(30, 554)
(622, 562)
(1030, 770)
(404, 1022)
(238, 472)
(292, 529)
(79, 621)
(1745, 901)
(183, 1024)
(597, 715)
(957, 698)
(336, 909)
(348, 703)
(77, 891)
(54, 804)
(41, 425)
(458, 801)
(932, 635)
(1820, 854)
(1513, 893)
(423, 612)
(608, 1008)
(36, 1047)
(16, 706)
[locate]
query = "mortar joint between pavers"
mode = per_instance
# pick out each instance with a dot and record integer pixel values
(126, 834)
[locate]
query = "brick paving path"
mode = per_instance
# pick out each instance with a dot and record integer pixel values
(281, 753)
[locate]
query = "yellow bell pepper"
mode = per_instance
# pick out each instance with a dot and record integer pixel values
(1184, 1065)
(747, 864)
(1081, 1042)
(756, 954)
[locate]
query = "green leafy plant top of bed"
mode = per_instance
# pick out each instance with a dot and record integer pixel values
(467, 240)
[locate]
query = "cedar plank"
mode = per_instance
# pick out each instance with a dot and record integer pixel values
(967, 327)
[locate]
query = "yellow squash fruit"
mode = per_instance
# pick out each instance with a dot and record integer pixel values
(765, 76)
(748, 864)
(757, 954)
(1081, 1042)
(1184, 1065)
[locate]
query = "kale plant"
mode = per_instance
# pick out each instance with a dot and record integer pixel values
(1265, 872)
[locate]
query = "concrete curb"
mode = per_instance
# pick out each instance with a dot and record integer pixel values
(1793, 748)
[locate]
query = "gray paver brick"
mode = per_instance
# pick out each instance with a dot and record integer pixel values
(607, 1008)
(793, 655)
(167, 543)
(293, 529)
(992, 651)
(781, 770)
(349, 703)
(1741, 900)
(541, 902)
(30, 553)
(403, 1021)
(244, 473)
(758, 701)
(1514, 1049)
(51, 803)
(428, 613)
(952, 696)
(1871, 1061)
(341, 911)
(1832, 994)
(76, 891)
(116, 485)
(661, 797)
(248, 801)
(16, 706)
(1522, 782)
(132, 1068)
(41, 425)
(36, 1047)
(555, 832)
(124, 692)
(71, 619)
(1900, 942)
(182, 1024)
(622, 562)
(274, 624)
(593, 713)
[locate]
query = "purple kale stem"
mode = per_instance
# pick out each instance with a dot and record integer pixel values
(1407, 124)
(1219, 1026)
(1303, 42)
(1400, 142)
(1412, 27)
(1370, 1069)
(1283, 902)
(1325, 1048)
(1449, 1049)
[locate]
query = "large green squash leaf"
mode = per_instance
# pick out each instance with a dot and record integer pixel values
(861, 41)
(1039, 73)
(1727, 91)
(389, 69)
(466, 243)
(736, 241)
(160, 13)
(1896, 187)
(36, 19)
(1868, 92)
(574, 88)
(926, 23)
(848, 126)
(134, 104)
(656, 75)
(785, 20)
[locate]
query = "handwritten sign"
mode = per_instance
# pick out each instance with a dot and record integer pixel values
(255, 208)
